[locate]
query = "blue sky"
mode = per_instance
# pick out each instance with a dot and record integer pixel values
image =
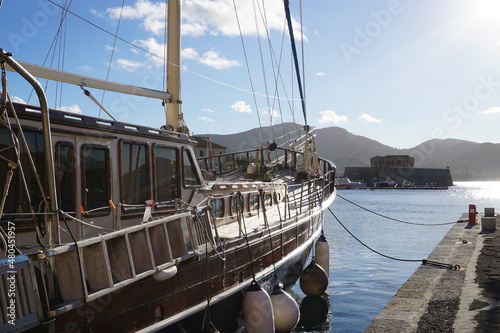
(399, 72)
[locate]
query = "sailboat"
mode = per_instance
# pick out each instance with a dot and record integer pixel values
(109, 226)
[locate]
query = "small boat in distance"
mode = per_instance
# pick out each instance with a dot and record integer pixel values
(344, 183)
(107, 226)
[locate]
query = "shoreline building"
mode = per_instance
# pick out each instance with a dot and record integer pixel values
(400, 169)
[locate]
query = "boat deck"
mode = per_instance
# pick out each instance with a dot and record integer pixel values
(299, 196)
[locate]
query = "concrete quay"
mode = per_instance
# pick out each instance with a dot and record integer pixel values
(436, 299)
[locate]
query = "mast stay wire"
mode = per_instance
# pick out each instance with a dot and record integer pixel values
(55, 40)
(263, 67)
(248, 67)
(66, 10)
(111, 60)
(277, 72)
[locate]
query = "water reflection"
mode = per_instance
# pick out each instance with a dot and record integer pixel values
(477, 191)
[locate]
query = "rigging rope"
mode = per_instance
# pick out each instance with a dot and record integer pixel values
(397, 220)
(110, 62)
(67, 11)
(248, 66)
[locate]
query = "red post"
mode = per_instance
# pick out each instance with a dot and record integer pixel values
(472, 213)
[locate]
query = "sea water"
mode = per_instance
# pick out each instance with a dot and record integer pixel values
(362, 282)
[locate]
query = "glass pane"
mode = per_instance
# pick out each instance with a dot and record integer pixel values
(166, 187)
(218, 207)
(235, 205)
(253, 202)
(17, 200)
(65, 177)
(96, 177)
(190, 174)
(268, 199)
(134, 166)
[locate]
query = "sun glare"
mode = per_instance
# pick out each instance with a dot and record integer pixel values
(487, 8)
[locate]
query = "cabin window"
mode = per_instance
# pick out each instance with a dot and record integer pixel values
(268, 200)
(65, 176)
(253, 202)
(217, 205)
(191, 177)
(17, 200)
(96, 179)
(134, 165)
(236, 204)
(166, 174)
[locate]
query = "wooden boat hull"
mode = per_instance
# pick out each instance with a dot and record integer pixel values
(151, 305)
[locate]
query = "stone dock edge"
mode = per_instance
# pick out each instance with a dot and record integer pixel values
(436, 299)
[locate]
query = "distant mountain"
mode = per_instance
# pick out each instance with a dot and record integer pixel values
(467, 160)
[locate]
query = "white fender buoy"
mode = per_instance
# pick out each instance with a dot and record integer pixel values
(322, 254)
(285, 310)
(257, 310)
(165, 274)
(313, 280)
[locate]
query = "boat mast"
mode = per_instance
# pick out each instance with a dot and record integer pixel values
(173, 108)
(295, 59)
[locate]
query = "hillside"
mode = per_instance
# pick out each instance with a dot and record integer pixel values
(467, 160)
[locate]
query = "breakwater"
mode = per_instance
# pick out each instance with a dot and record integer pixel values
(418, 176)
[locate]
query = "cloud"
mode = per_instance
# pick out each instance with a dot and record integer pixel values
(189, 53)
(320, 74)
(17, 99)
(111, 48)
(151, 15)
(210, 59)
(268, 111)
(200, 17)
(72, 108)
(205, 119)
(156, 50)
(329, 116)
(242, 107)
(129, 65)
(369, 119)
(86, 68)
(97, 13)
(218, 18)
(208, 110)
(490, 110)
(214, 60)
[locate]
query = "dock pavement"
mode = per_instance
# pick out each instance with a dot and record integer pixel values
(437, 299)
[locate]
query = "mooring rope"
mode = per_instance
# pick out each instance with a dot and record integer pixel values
(423, 261)
(397, 220)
